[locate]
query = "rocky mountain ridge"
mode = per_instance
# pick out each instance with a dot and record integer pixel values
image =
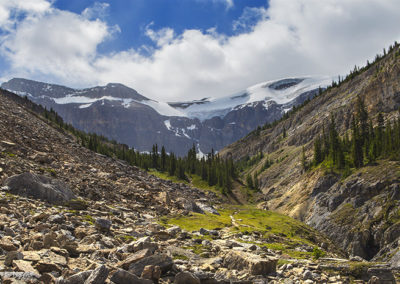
(358, 211)
(69, 215)
(122, 114)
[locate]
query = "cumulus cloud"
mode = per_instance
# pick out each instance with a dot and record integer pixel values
(10, 10)
(290, 38)
(98, 10)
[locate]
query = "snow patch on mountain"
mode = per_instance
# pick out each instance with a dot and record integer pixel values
(168, 124)
(163, 108)
(278, 91)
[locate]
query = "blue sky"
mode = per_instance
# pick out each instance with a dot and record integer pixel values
(173, 50)
(133, 16)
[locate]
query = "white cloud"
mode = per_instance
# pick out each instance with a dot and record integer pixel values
(290, 38)
(228, 3)
(10, 10)
(98, 10)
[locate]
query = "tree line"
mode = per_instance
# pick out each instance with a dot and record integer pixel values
(211, 168)
(362, 144)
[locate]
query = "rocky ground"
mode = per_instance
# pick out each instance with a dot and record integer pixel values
(68, 215)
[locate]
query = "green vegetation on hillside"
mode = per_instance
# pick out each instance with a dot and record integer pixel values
(276, 231)
(215, 171)
(366, 144)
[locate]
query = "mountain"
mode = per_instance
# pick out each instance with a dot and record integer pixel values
(356, 206)
(121, 113)
(70, 215)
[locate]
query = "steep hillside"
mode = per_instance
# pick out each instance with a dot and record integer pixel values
(69, 215)
(358, 211)
(122, 114)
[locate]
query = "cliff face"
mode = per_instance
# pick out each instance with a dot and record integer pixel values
(358, 212)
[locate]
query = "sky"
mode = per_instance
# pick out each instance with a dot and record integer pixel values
(175, 50)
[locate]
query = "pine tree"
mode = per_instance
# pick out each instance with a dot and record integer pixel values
(249, 181)
(172, 165)
(163, 159)
(362, 117)
(357, 151)
(256, 186)
(318, 156)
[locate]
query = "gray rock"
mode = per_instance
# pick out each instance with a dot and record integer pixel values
(307, 275)
(162, 260)
(125, 277)
(22, 276)
(207, 208)
(186, 278)
(191, 206)
(204, 231)
(98, 276)
(252, 263)
(78, 278)
(57, 218)
(11, 256)
(39, 187)
(103, 225)
(174, 230)
(384, 274)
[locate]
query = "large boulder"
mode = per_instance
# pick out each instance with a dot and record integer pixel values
(39, 187)
(162, 260)
(98, 276)
(125, 277)
(186, 278)
(252, 263)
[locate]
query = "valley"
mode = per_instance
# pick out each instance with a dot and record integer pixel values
(87, 216)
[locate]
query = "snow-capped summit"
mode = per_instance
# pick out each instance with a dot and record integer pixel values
(121, 113)
(279, 91)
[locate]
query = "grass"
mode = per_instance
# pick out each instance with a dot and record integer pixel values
(181, 257)
(197, 249)
(207, 221)
(89, 219)
(166, 176)
(279, 232)
(195, 181)
(126, 238)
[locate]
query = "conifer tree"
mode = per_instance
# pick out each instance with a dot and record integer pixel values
(256, 186)
(318, 156)
(249, 181)
(163, 159)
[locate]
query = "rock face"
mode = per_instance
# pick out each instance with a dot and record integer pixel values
(357, 210)
(254, 264)
(120, 113)
(361, 211)
(40, 187)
